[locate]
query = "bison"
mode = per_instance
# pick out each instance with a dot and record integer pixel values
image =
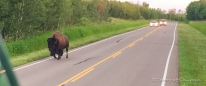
(57, 43)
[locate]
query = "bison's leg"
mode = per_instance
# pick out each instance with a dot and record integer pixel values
(55, 56)
(59, 57)
(60, 54)
(67, 52)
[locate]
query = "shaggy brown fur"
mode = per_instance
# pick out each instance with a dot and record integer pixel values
(57, 43)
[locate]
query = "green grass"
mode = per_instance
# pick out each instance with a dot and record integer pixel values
(24, 51)
(199, 25)
(192, 55)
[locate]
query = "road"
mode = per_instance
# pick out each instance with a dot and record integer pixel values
(144, 57)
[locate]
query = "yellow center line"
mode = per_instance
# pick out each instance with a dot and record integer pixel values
(130, 45)
(141, 38)
(101, 61)
(79, 74)
(2, 71)
(138, 40)
(117, 53)
(82, 75)
(83, 72)
(123, 49)
(146, 35)
(86, 71)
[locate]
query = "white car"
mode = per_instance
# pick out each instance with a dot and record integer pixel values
(154, 23)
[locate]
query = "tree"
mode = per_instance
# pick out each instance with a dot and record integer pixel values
(146, 5)
(196, 10)
(58, 13)
(4, 9)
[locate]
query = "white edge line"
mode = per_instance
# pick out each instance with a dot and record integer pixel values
(31, 64)
(18, 68)
(168, 59)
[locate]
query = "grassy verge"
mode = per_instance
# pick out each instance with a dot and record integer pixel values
(199, 25)
(24, 51)
(192, 60)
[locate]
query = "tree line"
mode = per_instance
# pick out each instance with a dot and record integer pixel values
(21, 19)
(25, 18)
(196, 10)
(126, 10)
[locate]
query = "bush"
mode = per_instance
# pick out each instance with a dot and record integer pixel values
(187, 21)
(141, 18)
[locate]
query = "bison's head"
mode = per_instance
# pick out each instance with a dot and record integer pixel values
(52, 45)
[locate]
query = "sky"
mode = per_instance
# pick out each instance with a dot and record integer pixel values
(164, 4)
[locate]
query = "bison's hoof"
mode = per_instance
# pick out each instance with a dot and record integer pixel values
(58, 58)
(55, 57)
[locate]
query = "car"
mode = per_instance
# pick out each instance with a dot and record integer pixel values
(154, 23)
(163, 22)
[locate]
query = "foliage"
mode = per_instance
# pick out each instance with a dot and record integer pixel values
(196, 10)
(22, 19)
(124, 10)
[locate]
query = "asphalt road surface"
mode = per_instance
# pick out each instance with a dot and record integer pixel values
(144, 57)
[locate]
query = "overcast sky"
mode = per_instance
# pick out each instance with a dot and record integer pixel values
(165, 4)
